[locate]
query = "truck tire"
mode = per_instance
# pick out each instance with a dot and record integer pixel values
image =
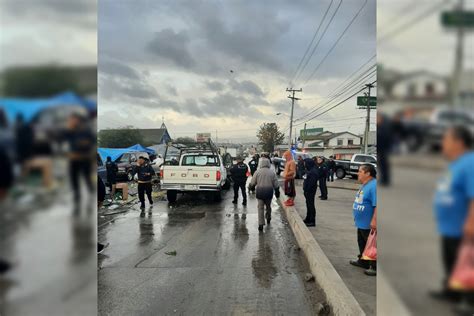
(217, 196)
(226, 185)
(340, 173)
(171, 195)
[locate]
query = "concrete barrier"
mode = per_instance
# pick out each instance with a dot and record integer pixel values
(339, 297)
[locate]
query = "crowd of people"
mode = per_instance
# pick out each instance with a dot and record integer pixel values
(316, 172)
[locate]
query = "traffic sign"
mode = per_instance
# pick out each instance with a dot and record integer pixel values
(362, 101)
(458, 19)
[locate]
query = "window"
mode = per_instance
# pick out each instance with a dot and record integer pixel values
(359, 159)
(200, 160)
(125, 158)
(411, 90)
(429, 89)
(340, 142)
(370, 159)
(350, 142)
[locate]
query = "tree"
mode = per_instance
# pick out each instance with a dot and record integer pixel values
(40, 81)
(119, 138)
(270, 136)
(184, 140)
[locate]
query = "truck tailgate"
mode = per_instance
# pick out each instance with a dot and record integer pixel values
(189, 175)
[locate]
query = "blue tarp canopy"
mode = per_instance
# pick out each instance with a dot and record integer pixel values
(116, 153)
(29, 108)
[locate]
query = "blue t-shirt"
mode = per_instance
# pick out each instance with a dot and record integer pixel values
(454, 192)
(364, 204)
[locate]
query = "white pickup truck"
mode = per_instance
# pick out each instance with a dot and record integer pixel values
(195, 171)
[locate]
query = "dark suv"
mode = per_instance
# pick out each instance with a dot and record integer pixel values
(126, 163)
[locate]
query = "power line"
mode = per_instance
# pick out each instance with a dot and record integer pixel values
(337, 41)
(417, 19)
(339, 103)
(317, 44)
(345, 90)
(310, 44)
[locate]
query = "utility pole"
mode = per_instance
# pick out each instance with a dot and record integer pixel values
(458, 62)
(292, 107)
(216, 136)
(367, 121)
(304, 134)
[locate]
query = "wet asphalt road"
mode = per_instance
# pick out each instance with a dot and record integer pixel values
(223, 265)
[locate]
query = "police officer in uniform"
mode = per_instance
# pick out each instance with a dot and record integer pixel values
(239, 173)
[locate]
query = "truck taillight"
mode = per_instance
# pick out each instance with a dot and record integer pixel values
(218, 176)
(161, 174)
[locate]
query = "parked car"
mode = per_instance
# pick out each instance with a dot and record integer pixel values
(351, 167)
(441, 119)
(126, 163)
(196, 170)
(279, 162)
(101, 170)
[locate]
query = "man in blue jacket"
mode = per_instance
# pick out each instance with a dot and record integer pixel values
(310, 185)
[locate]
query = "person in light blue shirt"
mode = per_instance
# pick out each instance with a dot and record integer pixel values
(454, 202)
(364, 210)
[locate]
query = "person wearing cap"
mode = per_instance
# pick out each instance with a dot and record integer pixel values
(145, 172)
(112, 170)
(239, 173)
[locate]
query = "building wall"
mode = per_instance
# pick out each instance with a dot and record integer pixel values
(340, 153)
(345, 138)
(402, 89)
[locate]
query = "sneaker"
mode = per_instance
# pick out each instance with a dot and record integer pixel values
(310, 224)
(359, 264)
(371, 272)
(260, 227)
(446, 295)
(268, 221)
(151, 202)
(142, 206)
(244, 203)
(4, 266)
(234, 201)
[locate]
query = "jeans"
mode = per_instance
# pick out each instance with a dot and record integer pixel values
(240, 186)
(264, 204)
(310, 207)
(142, 188)
(76, 169)
(331, 175)
(323, 187)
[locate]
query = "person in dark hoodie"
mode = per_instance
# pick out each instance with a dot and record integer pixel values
(239, 174)
(112, 170)
(266, 182)
(310, 185)
(145, 173)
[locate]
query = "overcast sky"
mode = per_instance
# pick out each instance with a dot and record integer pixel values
(173, 59)
(212, 65)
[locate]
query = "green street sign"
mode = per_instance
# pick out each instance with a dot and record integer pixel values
(362, 101)
(458, 19)
(311, 132)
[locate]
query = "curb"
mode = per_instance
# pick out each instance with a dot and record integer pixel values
(339, 297)
(352, 188)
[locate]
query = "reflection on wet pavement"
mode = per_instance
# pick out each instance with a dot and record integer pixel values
(201, 257)
(54, 258)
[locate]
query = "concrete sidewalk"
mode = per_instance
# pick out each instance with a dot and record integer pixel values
(336, 235)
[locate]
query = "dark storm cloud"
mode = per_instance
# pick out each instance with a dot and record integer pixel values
(247, 86)
(79, 12)
(172, 46)
(202, 41)
(116, 68)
